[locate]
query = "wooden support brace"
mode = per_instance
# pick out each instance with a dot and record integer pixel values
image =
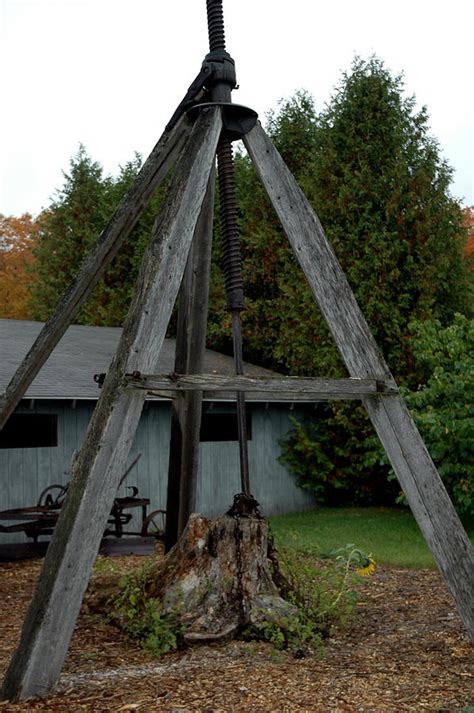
(416, 472)
(288, 388)
(112, 238)
(36, 664)
(189, 358)
(428, 500)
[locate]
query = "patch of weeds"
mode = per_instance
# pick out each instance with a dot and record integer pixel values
(250, 649)
(322, 589)
(275, 657)
(297, 633)
(323, 585)
(139, 616)
(106, 566)
(253, 649)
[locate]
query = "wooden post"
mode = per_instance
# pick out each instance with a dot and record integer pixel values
(189, 359)
(119, 227)
(36, 664)
(410, 460)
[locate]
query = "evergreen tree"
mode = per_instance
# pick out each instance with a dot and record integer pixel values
(68, 230)
(375, 177)
(382, 193)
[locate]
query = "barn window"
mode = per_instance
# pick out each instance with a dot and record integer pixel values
(217, 426)
(30, 430)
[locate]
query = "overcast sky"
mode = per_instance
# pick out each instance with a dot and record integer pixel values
(109, 73)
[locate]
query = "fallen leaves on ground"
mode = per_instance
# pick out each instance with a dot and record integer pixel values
(404, 650)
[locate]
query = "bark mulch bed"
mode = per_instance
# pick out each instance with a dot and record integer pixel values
(405, 650)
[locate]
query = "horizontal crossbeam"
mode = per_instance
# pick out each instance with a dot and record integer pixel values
(268, 388)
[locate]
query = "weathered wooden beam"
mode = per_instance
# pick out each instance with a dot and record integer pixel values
(36, 664)
(289, 388)
(428, 500)
(189, 358)
(263, 396)
(112, 238)
(416, 472)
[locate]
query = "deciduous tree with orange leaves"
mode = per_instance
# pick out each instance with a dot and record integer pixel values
(16, 242)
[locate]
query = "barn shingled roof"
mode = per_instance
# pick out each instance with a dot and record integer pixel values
(82, 352)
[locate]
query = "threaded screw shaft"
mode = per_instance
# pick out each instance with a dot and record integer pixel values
(215, 25)
(231, 259)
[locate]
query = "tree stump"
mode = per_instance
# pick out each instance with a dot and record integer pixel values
(220, 578)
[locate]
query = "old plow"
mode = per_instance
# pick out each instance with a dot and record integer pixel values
(38, 521)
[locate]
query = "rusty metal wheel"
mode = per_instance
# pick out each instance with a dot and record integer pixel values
(155, 524)
(52, 496)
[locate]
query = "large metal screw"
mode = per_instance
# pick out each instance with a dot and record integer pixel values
(215, 25)
(231, 261)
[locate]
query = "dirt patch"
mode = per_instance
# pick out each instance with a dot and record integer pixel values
(405, 650)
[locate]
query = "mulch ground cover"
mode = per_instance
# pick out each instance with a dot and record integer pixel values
(404, 650)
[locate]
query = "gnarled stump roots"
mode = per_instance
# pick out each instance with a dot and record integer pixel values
(218, 579)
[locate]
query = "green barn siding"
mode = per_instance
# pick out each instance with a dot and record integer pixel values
(271, 484)
(18, 476)
(27, 471)
(219, 477)
(150, 475)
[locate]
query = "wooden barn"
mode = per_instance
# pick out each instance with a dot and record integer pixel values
(37, 443)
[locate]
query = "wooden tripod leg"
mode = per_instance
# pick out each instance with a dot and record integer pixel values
(428, 500)
(36, 665)
(119, 227)
(416, 472)
(189, 359)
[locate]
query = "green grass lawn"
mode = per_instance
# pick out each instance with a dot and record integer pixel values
(391, 535)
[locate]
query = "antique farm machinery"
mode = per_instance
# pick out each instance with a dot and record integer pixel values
(40, 520)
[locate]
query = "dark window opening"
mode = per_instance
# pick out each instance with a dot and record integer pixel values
(30, 430)
(222, 427)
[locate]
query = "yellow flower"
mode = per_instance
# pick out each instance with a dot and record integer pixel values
(367, 568)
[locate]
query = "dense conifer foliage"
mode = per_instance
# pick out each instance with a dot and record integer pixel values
(69, 228)
(376, 178)
(381, 189)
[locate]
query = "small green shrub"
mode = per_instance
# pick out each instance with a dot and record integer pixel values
(105, 566)
(323, 585)
(443, 406)
(302, 453)
(297, 633)
(327, 452)
(139, 617)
